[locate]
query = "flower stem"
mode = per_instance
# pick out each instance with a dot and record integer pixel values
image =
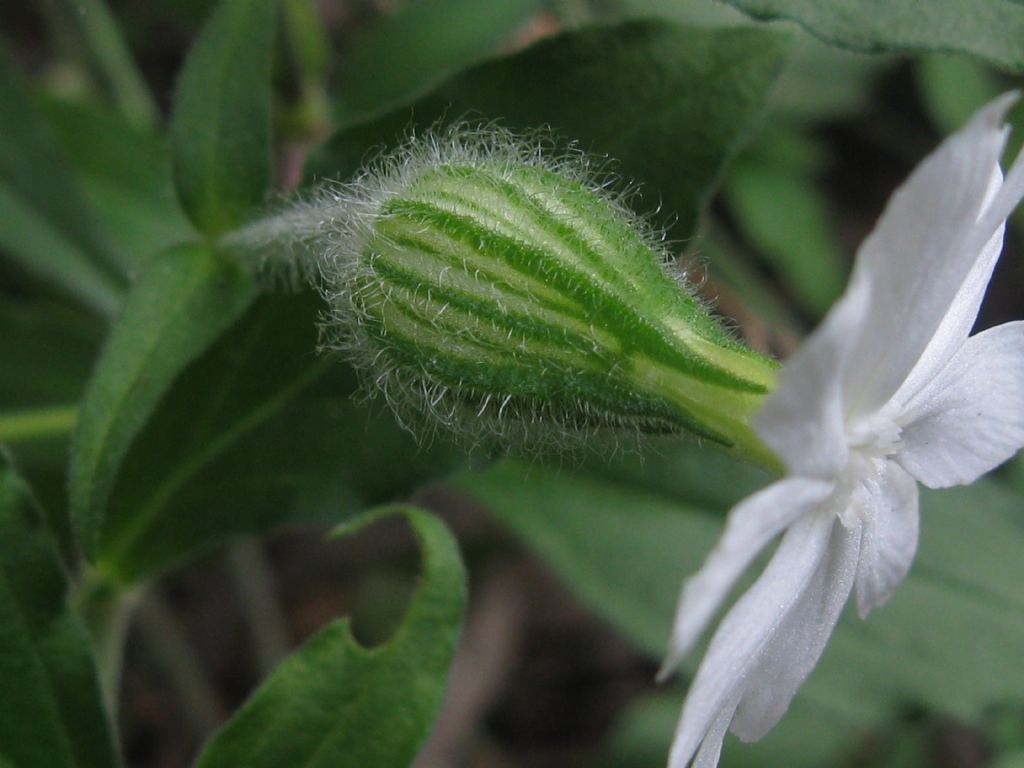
(37, 423)
(254, 580)
(164, 638)
(106, 610)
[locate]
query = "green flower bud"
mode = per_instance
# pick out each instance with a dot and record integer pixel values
(480, 287)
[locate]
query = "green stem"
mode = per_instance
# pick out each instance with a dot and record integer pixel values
(106, 608)
(254, 580)
(307, 41)
(37, 423)
(164, 638)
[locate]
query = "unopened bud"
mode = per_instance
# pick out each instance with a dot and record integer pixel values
(480, 287)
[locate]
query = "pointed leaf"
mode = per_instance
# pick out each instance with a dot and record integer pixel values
(220, 133)
(51, 711)
(258, 432)
(336, 703)
(183, 301)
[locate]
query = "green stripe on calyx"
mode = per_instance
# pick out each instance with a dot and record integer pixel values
(501, 298)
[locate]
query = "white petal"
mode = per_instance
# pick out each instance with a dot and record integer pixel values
(889, 536)
(711, 747)
(747, 633)
(803, 420)
(751, 525)
(924, 247)
(970, 417)
(956, 325)
(794, 649)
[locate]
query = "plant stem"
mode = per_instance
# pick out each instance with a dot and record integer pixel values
(36, 423)
(164, 638)
(254, 580)
(106, 609)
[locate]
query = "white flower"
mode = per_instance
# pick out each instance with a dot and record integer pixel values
(890, 391)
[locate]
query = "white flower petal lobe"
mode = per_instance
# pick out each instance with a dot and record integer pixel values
(749, 529)
(888, 536)
(919, 255)
(970, 418)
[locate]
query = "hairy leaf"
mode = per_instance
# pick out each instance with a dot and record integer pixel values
(258, 432)
(183, 301)
(669, 104)
(991, 29)
(412, 49)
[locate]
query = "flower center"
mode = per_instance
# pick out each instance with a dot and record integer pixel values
(877, 436)
(871, 442)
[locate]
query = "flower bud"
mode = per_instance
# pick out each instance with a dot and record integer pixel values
(485, 289)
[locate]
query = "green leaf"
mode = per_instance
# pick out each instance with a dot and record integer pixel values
(125, 173)
(258, 432)
(1012, 760)
(623, 550)
(414, 48)
(963, 592)
(625, 553)
(821, 82)
(51, 712)
(690, 13)
(818, 81)
(1003, 727)
(991, 29)
(783, 215)
(220, 133)
(668, 103)
(48, 227)
(336, 703)
(183, 301)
